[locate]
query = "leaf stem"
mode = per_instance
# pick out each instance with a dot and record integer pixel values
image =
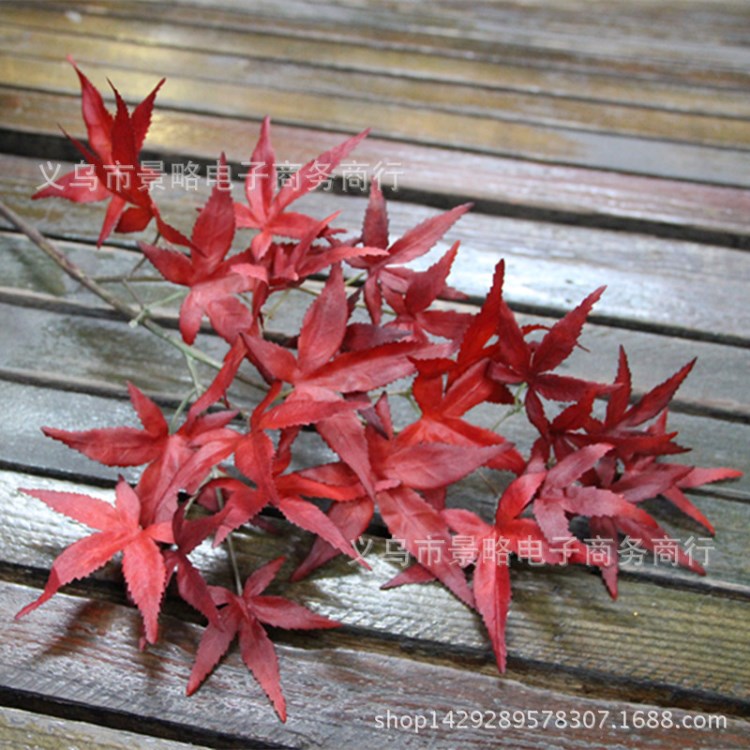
(55, 254)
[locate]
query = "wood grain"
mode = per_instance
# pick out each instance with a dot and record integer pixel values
(478, 133)
(507, 186)
(93, 663)
(354, 87)
(550, 268)
(563, 37)
(560, 620)
(592, 85)
(24, 730)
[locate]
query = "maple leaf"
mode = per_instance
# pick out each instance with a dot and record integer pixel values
(490, 547)
(421, 291)
(177, 461)
(114, 170)
(243, 616)
(266, 207)
(401, 469)
(387, 271)
(517, 361)
(443, 407)
(118, 529)
(190, 583)
(214, 279)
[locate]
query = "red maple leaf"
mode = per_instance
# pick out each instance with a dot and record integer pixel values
(266, 207)
(118, 529)
(243, 616)
(177, 461)
(490, 547)
(386, 271)
(516, 361)
(412, 305)
(114, 169)
(214, 279)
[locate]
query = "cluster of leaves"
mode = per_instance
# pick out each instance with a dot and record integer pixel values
(583, 463)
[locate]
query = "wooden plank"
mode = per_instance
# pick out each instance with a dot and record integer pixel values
(83, 341)
(335, 695)
(23, 730)
(354, 87)
(614, 42)
(560, 621)
(512, 187)
(478, 133)
(347, 56)
(550, 268)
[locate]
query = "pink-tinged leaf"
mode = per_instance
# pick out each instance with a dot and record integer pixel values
(282, 613)
(260, 658)
(303, 411)
(112, 446)
(81, 186)
(213, 231)
(366, 370)
(425, 535)
(311, 518)
(214, 644)
(324, 324)
(433, 465)
(414, 574)
(274, 361)
(699, 476)
(573, 466)
(94, 513)
(657, 398)
(416, 242)
(427, 285)
(352, 518)
(260, 183)
(127, 504)
(261, 578)
(146, 577)
(311, 174)
(466, 523)
(519, 494)
(492, 594)
(562, 338)
(375, 228)
(78, 560)
(637, 486)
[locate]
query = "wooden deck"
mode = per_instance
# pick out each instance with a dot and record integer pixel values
(604, 143)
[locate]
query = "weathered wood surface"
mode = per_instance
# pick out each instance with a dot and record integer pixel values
(507, 186)
(90, 663)
(599, 148)
(643, 154)
(24, 730)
